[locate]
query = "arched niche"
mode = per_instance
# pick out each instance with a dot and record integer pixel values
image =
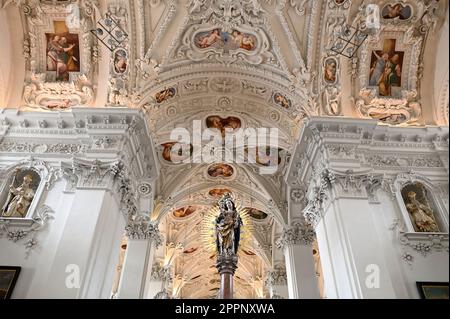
(417, 199)
(422, 210)
(23, 185)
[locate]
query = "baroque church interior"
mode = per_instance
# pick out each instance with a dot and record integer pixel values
(112, 176)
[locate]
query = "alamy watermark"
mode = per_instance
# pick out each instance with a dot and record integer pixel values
(373, 277)
(228, 145)
(73, 277)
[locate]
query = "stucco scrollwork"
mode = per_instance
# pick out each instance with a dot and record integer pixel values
(61, 52)
(390, 64)
(26, 230)
(142, 229)
(421, 243)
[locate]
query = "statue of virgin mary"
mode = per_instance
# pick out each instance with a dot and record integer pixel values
(228, 227)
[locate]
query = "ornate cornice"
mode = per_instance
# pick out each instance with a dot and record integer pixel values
(375, 153)
(367, 145)
(84, 133)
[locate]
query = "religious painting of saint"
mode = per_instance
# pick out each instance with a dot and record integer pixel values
(225, 41)
(330, 70)
(216, 122)
(120, 61)
(63, 52)
(220, 170)
(281, 100)
(184, 212)
(175, 152)
(396, 11)
(219, 192)
(165, 95)
(386, 68)
(256, 213)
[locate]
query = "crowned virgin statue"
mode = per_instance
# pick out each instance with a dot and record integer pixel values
(228, 227)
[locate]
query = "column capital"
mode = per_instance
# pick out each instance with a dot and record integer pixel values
(160, 272)
(297, 234)
(276, 276)
(144, 230)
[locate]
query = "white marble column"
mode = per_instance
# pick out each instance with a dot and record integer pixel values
(87, 249)
(296, 244)
(352, 254)
(144, 238)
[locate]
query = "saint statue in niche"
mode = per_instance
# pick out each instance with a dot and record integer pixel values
(421, 213)
(19, 198)
(228, 227)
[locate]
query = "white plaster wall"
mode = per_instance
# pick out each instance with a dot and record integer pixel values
(433, 267)
(76, 235)
(35, 268)
(354, 234)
